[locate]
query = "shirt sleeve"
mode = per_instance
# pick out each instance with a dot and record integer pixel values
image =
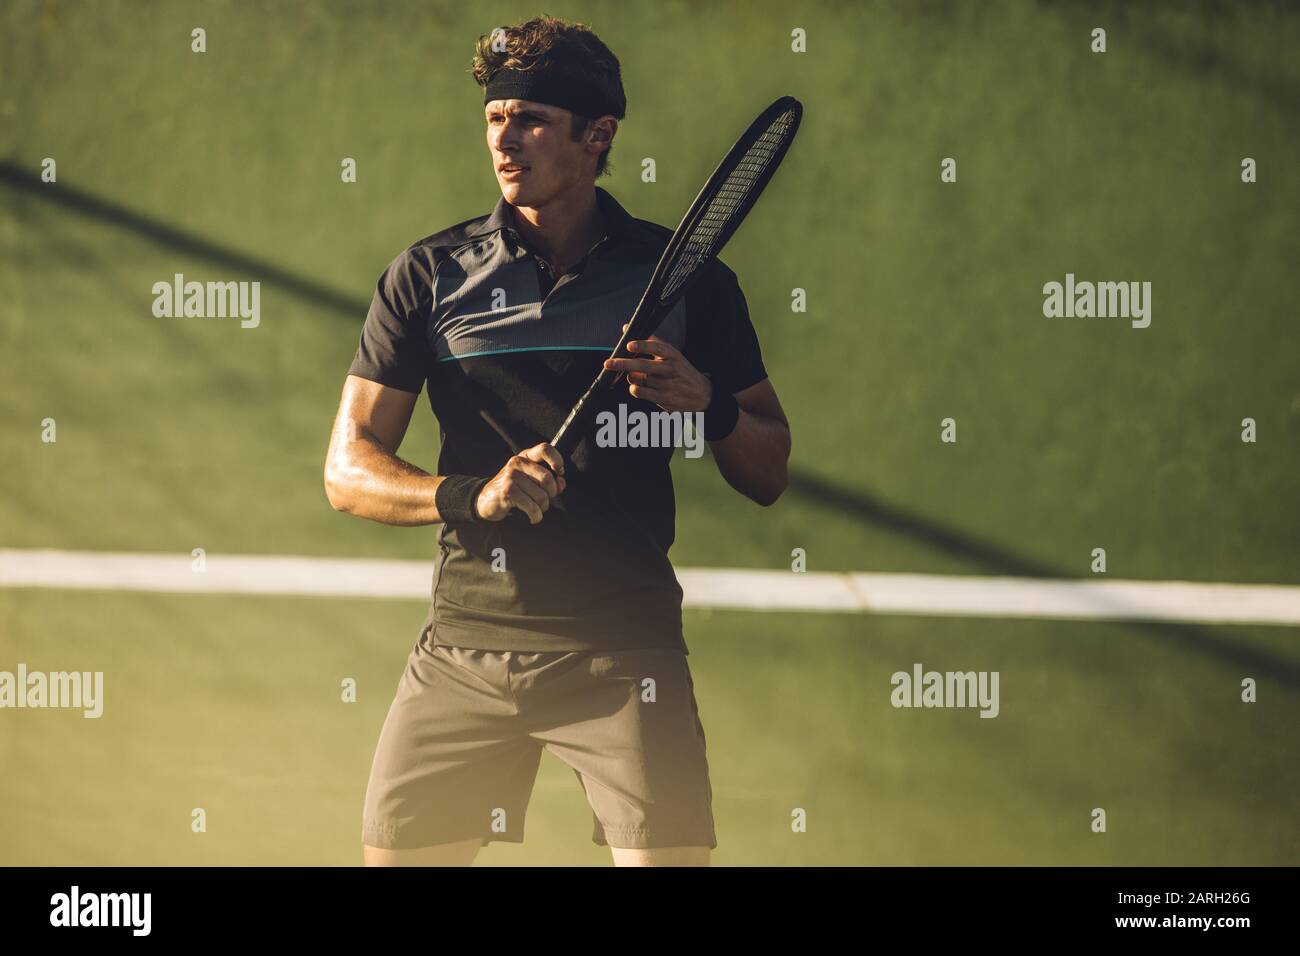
(720, 338)
(394, 350)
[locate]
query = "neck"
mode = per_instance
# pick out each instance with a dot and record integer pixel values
(564, 229)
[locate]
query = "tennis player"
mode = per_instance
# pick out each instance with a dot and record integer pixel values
(555, 620)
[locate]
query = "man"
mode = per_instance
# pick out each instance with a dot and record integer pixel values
(562, 631)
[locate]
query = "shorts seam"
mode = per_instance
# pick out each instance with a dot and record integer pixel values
(667, 836)
(399, 841)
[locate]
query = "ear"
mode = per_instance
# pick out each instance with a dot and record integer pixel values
(603, 130)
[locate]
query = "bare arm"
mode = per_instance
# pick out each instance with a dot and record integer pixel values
(364, 476)
(754, 458)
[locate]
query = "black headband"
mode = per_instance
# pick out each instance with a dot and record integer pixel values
(552, 86)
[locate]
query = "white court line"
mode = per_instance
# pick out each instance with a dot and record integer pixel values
(934, 594)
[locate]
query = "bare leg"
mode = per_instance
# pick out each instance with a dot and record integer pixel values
(661, 856)
(461, 853)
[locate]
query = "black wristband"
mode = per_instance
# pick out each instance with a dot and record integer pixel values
(456, 499)
(721, 416)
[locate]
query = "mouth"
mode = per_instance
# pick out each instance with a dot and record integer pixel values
(512, 169)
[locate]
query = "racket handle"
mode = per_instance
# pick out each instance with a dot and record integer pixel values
(645, 319)
(570, 432)
(516, 516)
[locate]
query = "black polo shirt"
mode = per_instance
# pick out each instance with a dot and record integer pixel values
(475, 314)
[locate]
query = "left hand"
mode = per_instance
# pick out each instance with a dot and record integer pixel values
(661, 374)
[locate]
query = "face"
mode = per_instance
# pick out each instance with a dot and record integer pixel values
(533, 155)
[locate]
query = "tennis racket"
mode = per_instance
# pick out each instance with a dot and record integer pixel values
(711, 220)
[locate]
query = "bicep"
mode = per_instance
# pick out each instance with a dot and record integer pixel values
(760, 399)
(371, 410)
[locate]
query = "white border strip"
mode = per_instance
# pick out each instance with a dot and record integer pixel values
(932, 594)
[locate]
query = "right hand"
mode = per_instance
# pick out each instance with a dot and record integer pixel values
(526, 482)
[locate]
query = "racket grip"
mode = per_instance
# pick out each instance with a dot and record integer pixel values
(570, 432)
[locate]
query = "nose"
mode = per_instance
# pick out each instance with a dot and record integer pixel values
(505, 136)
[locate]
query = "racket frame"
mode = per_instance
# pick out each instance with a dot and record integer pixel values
(651, 310)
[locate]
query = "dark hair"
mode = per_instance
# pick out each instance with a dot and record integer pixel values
(543, 42)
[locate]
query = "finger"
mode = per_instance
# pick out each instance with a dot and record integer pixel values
(547, 455)
(551, 457)
(532, 487)
(653, 346)
(635, 365)
(542, 476)
(525, 503)
(660, 396)
(549, 462)
(661, 380)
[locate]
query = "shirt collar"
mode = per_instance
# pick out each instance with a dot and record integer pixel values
(617, 219)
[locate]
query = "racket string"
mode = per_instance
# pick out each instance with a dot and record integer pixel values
(729, 199)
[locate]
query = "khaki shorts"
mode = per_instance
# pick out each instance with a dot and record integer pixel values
(460, 748)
